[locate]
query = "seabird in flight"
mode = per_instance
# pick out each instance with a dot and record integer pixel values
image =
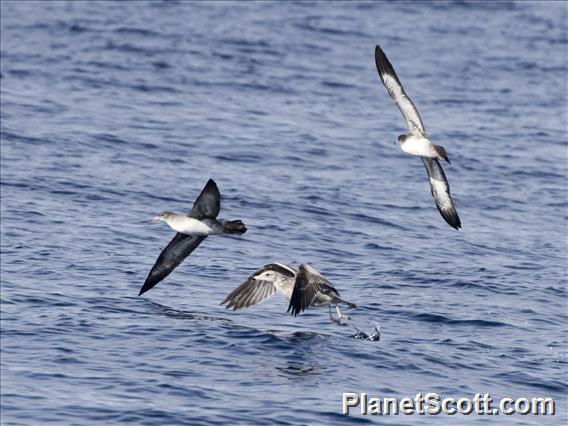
(416, 142)
(303, 288)
(192, 229)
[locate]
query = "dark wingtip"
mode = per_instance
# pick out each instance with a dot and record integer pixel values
(147, 286)
(292, 309)
(292, 305)
(451, 217)
(458, 225)
(210, 184)
(378, 54)
(383, 64)
(456, 221)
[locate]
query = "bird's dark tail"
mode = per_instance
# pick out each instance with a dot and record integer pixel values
(234, 227)
(441, 151)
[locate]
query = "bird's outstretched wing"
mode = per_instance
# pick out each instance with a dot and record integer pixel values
(249, 293)
(396, 91)
(208, 204)
(175, 252)
(309, 285)
(441, 192)
(258, 287)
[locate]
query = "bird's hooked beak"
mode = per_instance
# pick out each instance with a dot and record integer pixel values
(154, 218)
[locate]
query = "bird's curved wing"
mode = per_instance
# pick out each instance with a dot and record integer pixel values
(309, 285)
(175, 252)
(257, 287)
(396, 91)
(208, 204)
(249, 293)
(441, 192)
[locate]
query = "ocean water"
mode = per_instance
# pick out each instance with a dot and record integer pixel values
(112, 112)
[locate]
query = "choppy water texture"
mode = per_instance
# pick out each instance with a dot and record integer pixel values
(112, 112)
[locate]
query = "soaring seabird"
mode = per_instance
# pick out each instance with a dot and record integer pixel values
(192, 229)
(303, 288)
(416, 142)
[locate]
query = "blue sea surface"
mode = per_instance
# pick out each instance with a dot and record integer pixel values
(114, 111)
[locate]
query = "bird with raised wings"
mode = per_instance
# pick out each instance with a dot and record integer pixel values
(417, 142)
(303, 288)
(192, 229)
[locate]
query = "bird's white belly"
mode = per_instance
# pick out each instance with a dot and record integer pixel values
(419, 146)
(190, 226)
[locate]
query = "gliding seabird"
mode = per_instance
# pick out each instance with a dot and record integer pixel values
(192, 229)
(416, 142)
(303, 288)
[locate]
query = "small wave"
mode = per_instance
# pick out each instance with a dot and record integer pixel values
(441, 319)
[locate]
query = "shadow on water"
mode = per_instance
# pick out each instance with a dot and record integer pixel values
(300, 354)
(185, 315)
(270, 336)
(276, 337)
(294, 354)
(297, 368)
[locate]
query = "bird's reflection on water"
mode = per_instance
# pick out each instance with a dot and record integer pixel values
(296, 368)
(295, 337)
(180, 314)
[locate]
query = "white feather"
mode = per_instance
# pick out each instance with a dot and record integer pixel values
(419, 145)
(189, 226)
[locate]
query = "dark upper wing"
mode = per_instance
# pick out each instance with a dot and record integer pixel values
(396, 91)
(208, 204)
(441, 192)
(175, 252)
(249, 293)
(307, 288)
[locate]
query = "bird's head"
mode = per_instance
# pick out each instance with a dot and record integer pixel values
(163, 216)
(401, 139)
(266, 276)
